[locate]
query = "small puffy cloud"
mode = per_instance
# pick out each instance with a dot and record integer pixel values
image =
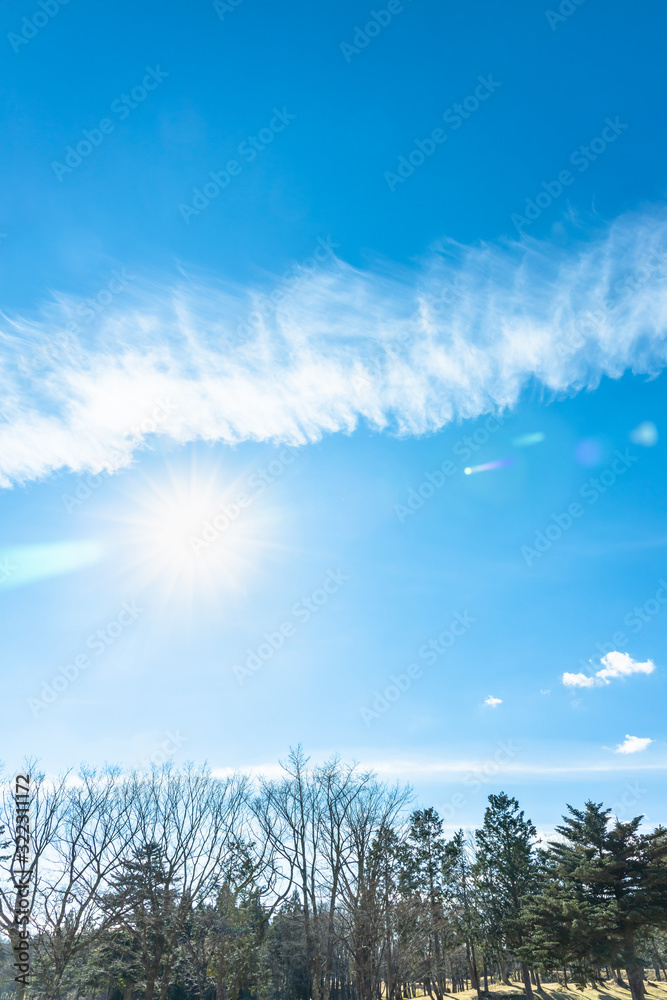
(614, 665)
(493, 702)
(633, 744)
(578, 680)
(622, 665)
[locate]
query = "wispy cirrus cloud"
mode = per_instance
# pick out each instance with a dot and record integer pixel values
(614, 665)
(438, 768)
(408, 351)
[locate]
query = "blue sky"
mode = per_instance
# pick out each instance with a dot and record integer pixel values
(273, 278)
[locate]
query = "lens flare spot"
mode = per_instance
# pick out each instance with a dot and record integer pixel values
(500, 463)
(646, 434)
(589, 452)
(526, 440)
(22, 564)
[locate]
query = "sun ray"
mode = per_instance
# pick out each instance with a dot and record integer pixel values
(194, 534)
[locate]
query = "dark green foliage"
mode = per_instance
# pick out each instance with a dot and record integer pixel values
(507, 874)
(284, 955)
(603, 884)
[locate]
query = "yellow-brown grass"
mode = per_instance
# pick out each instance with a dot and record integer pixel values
(555, 991)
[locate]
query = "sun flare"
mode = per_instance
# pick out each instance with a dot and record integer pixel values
(193, 535)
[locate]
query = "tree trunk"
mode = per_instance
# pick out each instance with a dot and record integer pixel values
(166, 978)
(390, 984)
(438, 966)
(656, 963)
(526, 980)
(472, 967)
(635, 974)
(503, 971)
(220, 977)
(634, 968)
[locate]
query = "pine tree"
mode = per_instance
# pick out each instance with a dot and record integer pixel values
(617, 868)
(568, 927)
(285, 955)
(506, 869)
(458, 867)
(423, 867)
(384, 860)
(142, 899)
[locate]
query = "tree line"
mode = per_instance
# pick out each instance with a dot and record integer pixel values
(320, 884)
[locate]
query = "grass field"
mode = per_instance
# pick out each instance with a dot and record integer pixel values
(555, 991)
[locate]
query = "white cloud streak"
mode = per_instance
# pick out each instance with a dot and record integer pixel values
(443, 770)
(459, 335)
(493, 702)
(614, 665)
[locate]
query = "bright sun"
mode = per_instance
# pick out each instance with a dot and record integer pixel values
(192, 535)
